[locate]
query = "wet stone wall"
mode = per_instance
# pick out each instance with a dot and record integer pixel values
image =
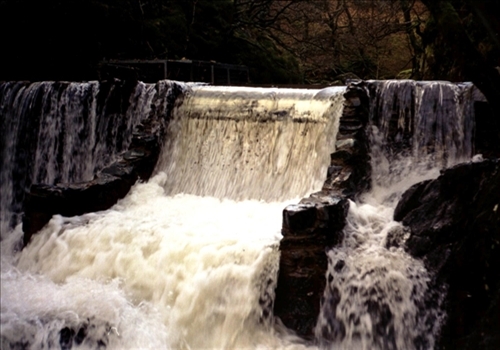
(315, 224)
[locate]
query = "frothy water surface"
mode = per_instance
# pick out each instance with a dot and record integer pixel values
(198, 265)
(179, 262)
(189, 259)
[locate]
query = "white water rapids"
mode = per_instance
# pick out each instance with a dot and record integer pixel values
(183, 261)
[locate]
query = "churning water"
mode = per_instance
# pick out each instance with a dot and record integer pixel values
(186, 259)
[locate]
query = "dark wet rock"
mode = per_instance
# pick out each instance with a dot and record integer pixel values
(46, 332)
(396, 237)
(339, 265)
(455, 228)
(350, 169)
(308, 229)
(315, 225)
(66, 338)
(91, 335)
(487, 133)
(43, 201)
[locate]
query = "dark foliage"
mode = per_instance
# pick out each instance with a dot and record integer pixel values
(66, 40)
(281, 41)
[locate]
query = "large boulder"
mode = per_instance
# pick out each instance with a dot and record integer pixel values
(108, 186)
(455, 228)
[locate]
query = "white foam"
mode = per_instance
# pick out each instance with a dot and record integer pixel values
(199, 263)
(375, 293)
(189, 272)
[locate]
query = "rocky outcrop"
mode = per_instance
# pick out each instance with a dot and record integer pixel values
(113, 182)
(316, 223)
(455, 228)
(309, 228)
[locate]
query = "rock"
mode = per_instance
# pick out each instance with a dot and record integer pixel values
(108, 186)
(315, 225)
(396, 237)
(43, 201)
(455, 228)
(487, 130)
(309, 229)
(350, 169)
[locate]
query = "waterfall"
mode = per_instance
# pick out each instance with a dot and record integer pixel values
(375, 294)
(188, 259)
(264, 144)
(417, 128)
(61, 132)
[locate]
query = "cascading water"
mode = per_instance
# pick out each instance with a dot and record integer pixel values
(375, 294)
(417, 128)
(188, 260)
(179, 263)
(62, 132)
(264, 144)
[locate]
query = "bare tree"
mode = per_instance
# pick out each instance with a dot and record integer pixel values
(374, 39)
